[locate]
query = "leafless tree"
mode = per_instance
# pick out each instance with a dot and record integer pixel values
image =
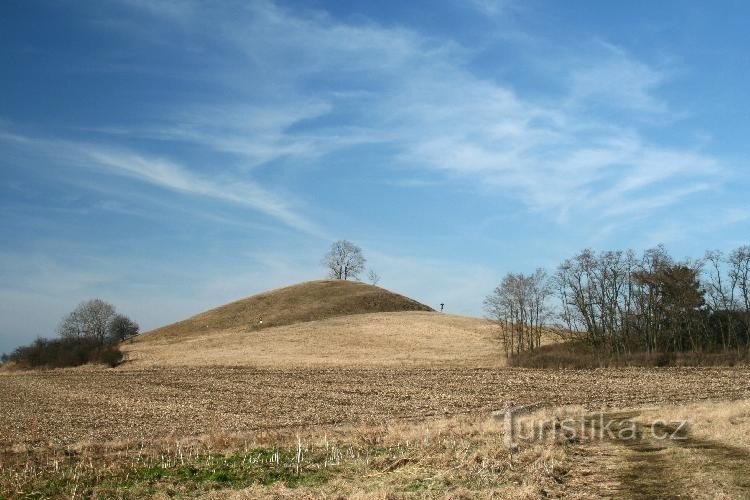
(90, 319)
(519, 306)
(721, 288)
(373, 277)
(344, 260)
(122, 328)
(620, 302)
(739, 272)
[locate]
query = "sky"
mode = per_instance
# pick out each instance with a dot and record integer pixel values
(170, 156)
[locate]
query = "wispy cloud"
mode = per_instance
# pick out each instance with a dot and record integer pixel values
(174, 177)
(612, 79)
(557, 154)
(492, 7)
(227, 186)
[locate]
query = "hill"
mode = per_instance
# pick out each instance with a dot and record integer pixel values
(310, 301)
(408, 338)
(319, 323)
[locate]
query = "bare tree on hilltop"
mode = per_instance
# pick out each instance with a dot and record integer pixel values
(344, 261)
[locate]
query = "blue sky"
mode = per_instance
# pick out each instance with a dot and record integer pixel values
(169, 156)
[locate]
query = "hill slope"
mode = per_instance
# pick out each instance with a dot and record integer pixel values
(411, 338)
(319, 323)
(311, 301)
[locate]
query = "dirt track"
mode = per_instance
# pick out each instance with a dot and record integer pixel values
(660, 461)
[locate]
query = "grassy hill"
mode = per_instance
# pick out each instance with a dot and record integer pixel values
(410, 338)
(310, 301)
(319, 323)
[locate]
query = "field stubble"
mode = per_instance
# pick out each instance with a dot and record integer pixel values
(313, 433)
(64, 407)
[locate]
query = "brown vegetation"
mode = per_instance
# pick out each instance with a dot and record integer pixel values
(581, 355)
(359, 433)
(64, 352)
(377, 339)
(705, 458)
(460, 457)
(311, 301)
(73, 405)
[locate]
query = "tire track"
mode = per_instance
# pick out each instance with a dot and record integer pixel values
(655, 460)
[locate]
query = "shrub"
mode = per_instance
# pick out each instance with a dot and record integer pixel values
(110, 355)
(65, 352)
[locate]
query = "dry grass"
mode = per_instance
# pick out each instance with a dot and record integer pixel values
(311, 301)
(726, 422)
(458, 457)
(445, 458)
(379, 339)
(372, 405)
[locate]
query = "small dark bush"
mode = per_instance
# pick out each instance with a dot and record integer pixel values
(108, 355)
(65, 352)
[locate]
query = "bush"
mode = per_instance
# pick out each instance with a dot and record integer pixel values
(108, 355)
(65, 352)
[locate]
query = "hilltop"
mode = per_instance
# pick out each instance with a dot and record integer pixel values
(309, 301)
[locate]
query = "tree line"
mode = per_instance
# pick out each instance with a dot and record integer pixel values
(621, 302)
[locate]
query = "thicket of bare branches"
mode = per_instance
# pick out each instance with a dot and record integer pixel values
(621, 302)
